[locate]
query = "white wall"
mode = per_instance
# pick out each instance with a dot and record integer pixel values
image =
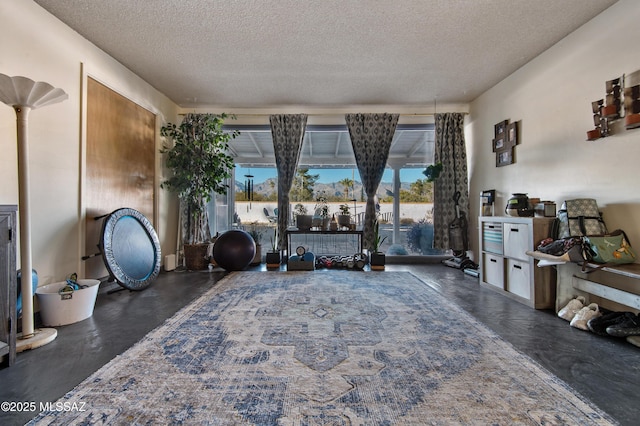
(38, 46)
(551, 98)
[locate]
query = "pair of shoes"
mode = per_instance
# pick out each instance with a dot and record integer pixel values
(629, 326)
(572, 308)
(584, 315)
(599, 325)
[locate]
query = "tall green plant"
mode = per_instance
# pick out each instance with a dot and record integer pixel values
(200, 164)
(377, 239)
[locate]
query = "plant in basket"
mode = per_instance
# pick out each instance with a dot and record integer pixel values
(344, 218)
(303, 220)
(199, 161)
(321, 212)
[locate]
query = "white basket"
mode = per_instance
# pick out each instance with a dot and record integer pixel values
(62, 309)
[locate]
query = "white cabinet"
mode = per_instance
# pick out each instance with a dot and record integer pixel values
(507, 268)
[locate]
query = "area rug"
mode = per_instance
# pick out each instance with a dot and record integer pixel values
(322, 348)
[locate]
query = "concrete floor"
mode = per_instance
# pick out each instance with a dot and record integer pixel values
(604, 370)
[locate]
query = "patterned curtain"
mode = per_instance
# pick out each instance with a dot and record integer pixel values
(371, 136)
(451, 152)
(287, 131)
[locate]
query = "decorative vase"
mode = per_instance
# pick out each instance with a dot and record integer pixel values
(344, 220)
(303, 222)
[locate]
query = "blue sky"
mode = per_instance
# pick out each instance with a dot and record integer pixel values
(328, 175)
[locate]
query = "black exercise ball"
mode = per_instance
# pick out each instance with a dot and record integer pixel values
(234, 250)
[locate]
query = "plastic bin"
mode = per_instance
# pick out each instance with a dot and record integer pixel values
(69, 307)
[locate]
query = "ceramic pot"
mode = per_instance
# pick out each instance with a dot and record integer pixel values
(303, 222)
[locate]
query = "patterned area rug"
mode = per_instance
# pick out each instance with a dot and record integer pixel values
(322, 348)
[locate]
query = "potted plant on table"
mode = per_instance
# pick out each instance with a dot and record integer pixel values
(303, 220)
(378, 258)
(321, 213)
(344, 218)
(200, 164)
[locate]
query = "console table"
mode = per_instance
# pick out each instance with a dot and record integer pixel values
(320, 242)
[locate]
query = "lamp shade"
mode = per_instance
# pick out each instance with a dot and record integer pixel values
(24, 92)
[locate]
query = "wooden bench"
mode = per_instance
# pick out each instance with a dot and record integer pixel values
(616, 288)
(624, 296)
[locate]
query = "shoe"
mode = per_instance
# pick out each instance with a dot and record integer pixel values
(584, 315)
(630, 326)
(634, 340)
(598, 325)
(572, 308)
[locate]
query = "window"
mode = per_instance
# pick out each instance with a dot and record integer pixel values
(327, 168)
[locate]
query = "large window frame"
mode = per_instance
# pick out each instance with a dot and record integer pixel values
(415, 158)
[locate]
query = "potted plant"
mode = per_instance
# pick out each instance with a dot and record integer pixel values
(200, 164)
(256, 234)
(273, 255)
(303, 220)
(378, 258)
(344, 218)
(432, 172)
(321, 213)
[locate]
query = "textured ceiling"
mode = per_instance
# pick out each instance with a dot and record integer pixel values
(274, 53)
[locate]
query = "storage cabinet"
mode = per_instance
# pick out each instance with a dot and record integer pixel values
(8, 297)
(505, 265)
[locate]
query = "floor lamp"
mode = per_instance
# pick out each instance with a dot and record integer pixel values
(24, 95)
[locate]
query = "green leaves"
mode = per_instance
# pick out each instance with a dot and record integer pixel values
(199, 158)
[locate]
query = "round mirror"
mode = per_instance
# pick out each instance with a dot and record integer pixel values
(130, 248)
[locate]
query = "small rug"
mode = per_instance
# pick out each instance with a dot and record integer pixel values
(322, 348)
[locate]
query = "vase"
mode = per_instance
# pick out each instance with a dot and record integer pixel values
(344, 220)
(273, 260)
(378, 260)
(303, 222)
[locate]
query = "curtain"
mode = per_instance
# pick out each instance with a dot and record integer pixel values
(453, 180)
(371, 136)
(287, 131)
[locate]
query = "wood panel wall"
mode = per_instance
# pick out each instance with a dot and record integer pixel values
(120, 164)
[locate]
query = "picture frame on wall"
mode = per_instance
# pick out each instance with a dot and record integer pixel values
(504, 157)
(499, 143)
(500, 127)
(512, 134)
